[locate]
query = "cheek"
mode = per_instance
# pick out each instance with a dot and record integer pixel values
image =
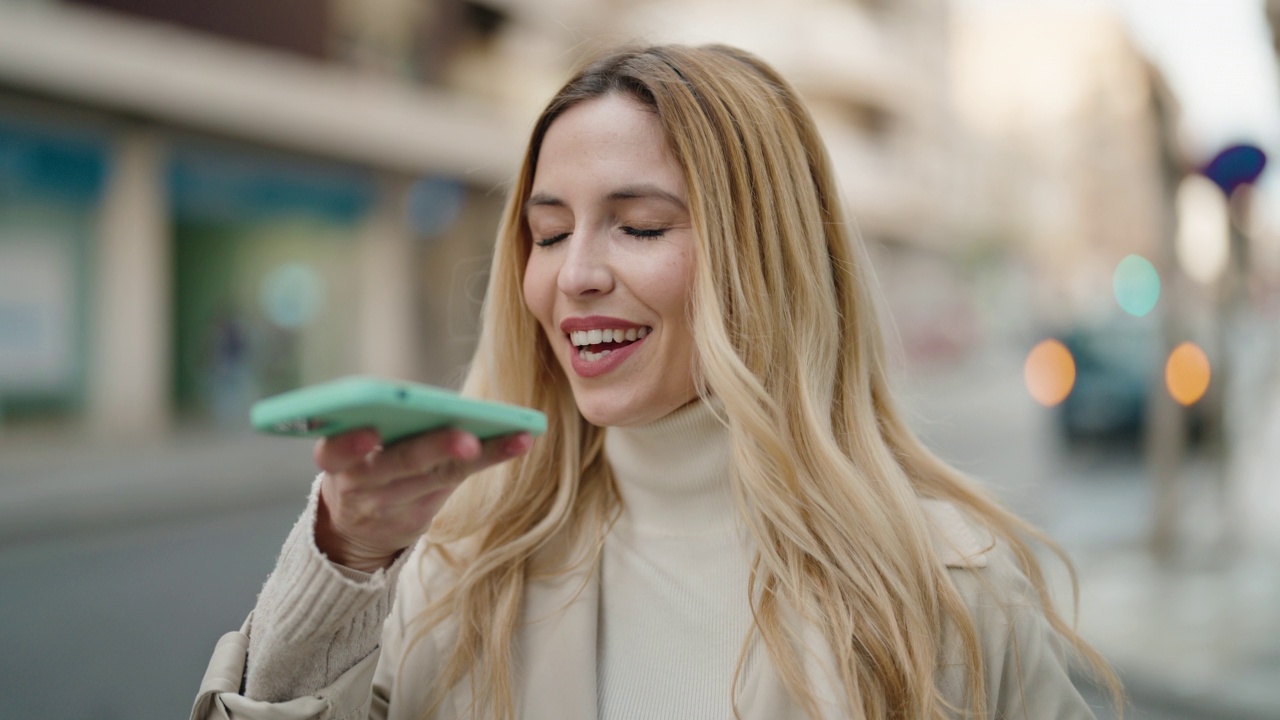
(538, 290)
(670, 287)
(682, 287)
(674, 301)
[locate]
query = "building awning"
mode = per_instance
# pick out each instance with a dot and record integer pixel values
(175, 77)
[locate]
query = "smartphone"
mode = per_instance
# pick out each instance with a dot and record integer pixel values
(395, 409)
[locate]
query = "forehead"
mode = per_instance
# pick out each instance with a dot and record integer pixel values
(600, 142)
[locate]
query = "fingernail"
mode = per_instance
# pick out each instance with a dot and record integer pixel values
(517, 444)
(466, 446)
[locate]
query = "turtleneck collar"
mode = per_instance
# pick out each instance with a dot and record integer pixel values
(673, 473)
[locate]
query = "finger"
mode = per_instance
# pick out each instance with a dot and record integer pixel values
(451, 472)
(492, 452)
(508, 446)
(424, 454)
(341, 453)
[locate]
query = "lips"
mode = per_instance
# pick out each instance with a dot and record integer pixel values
(596, 322)
(601, 356)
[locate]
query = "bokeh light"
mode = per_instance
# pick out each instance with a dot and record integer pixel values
(1187, 373)
(1202, 241)
(1136, 285)
(434, 203)
(1050, 372)
(292, 295)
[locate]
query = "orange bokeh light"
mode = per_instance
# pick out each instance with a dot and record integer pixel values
(1187, 373)
(1050, 372)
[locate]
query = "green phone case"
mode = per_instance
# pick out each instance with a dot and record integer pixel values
(396, 409)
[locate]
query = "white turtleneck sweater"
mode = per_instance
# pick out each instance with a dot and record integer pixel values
(674, 610)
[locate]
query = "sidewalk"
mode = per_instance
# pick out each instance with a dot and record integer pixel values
(1204, 640)
(77, 487)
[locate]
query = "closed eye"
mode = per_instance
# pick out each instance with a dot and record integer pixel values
(552, 240)
(644, 232)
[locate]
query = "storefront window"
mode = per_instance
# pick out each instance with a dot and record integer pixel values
(50, 183)
(265, 278)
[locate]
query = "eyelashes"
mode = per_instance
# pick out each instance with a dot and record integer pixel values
(641, 233)
(549, 241)
(644, 232)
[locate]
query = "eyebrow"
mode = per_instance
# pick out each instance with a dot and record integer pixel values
(628, 192)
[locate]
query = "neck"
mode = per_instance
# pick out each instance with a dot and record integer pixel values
(673, 473)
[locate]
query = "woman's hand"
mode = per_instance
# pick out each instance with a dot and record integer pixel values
(375, 502)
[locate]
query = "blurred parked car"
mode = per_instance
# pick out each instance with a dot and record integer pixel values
(1119, 363)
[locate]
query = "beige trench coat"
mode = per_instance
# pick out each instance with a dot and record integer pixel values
(1027, 674)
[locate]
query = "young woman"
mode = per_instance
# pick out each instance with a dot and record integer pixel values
(727, 516)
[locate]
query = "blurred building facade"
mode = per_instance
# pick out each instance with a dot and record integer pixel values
(1077, 129)
(205, 204)
(200, 205)
(1269, 220)
(1085, 141)
(1273, 20)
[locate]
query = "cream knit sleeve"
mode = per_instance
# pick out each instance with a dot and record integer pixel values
(314, 620)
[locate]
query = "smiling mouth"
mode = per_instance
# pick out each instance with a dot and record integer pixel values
(594, 345)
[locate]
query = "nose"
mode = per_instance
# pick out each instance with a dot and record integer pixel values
(587, 269)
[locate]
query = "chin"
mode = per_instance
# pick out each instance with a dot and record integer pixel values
(608, 414)
(606, 411)
(607, 407)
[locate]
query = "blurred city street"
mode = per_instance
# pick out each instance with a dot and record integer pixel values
(1199, 637)
(1067, 206)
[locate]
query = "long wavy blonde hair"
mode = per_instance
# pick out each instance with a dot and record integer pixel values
(826, 473)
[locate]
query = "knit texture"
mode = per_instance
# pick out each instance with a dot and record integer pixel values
(674, 610)
(314, 619)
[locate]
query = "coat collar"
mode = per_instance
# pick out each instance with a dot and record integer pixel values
(957, 543)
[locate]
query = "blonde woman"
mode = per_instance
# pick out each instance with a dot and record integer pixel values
(727, 516)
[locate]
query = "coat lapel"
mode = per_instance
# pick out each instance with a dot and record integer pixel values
(761, 693)
(556, 647)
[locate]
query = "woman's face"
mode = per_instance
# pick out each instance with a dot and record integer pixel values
(612, 261)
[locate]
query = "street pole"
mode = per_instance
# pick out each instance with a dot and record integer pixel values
(1234, 170)
(1166, 433)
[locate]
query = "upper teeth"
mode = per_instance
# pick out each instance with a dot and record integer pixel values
(595, 337)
